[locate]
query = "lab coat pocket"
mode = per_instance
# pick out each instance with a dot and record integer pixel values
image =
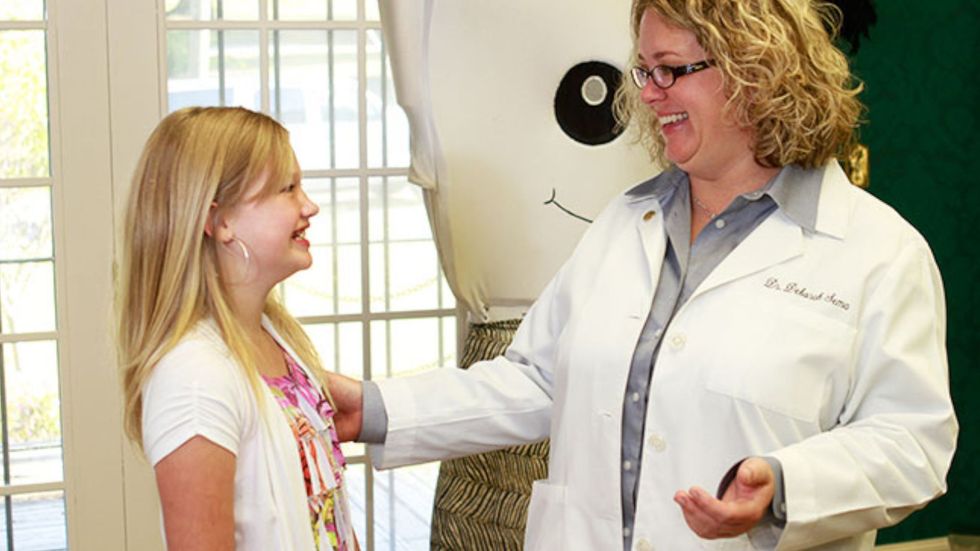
(545, 517)
(786, 360)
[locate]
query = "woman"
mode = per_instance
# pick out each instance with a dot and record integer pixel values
(746, 320)
(222, 385)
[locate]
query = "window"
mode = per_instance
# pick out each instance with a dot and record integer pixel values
(375, 301)
(32, 510)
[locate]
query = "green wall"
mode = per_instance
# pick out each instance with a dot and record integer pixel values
(921, 69)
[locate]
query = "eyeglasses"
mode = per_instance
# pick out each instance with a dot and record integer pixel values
(664, 76)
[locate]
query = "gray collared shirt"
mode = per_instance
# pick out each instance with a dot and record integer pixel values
(795, 191)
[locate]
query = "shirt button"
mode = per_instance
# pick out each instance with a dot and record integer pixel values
(720, 223)
(657, 442)
(644, 545)
(648, 215)
(627, 465)
(658, 333)
(677, 342)
(626, 531)
(635, 396)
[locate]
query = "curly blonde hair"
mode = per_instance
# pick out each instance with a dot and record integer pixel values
(782, 74)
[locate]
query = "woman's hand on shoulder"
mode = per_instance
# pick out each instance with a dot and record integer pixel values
(348, 395)
(197, 494)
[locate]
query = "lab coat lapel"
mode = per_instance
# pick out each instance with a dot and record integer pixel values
(650, 225)
(776, 240)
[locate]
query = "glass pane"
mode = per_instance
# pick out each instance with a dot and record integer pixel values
(23, 10)
(240, 10)
(413, 278)
(27, 297)
(33, 413)
(310, 292)
(345, 10)
(3, 522)
(403, 347)
(371, 10)
(39, 522)
(317, 291)
(403, 507)
(313, 10)
(448, 342)
(298, 10)
(23, 105)
(358, 501)
(213, 68)
(25, 223)
(405, 271)
(314, 93)
(207, 10)
(387, 126)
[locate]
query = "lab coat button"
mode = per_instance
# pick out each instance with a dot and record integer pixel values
(644, 545)
(648, 215)
(657, 442)
(677, 342)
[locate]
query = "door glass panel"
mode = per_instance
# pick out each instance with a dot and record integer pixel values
(387, 126)
(23, 105)
(313, 10)
(209, 10)
(27, 297)
(25, 223)
(32, 417)
(39, 521)
(213, 67)
(332, 284)
(22, 10)
(314, 93)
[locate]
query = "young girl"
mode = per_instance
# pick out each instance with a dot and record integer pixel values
(223, 388)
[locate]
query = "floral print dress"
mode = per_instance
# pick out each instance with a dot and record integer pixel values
(311, 418)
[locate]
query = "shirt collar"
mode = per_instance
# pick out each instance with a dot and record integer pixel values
(661, 187)
(795, 190)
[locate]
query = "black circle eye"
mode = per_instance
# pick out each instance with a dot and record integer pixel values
(583, 103)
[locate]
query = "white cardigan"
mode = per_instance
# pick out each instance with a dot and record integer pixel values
(198, 388)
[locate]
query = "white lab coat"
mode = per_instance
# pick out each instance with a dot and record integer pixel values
(825, 350)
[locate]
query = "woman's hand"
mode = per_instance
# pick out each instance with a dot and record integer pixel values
(740, 508)
(197, 495)
(348, 396)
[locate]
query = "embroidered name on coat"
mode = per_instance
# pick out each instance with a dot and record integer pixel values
(794, 288)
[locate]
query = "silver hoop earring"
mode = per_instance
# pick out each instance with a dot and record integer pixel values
(246, 255)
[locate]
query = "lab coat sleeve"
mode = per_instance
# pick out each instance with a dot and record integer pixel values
(505, 401)
(892, 448)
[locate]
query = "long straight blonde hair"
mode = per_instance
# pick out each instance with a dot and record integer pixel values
(168, 276)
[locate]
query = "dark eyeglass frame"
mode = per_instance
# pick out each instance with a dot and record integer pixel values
(664, 76)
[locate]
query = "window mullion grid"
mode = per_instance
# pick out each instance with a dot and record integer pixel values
(366, 269)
